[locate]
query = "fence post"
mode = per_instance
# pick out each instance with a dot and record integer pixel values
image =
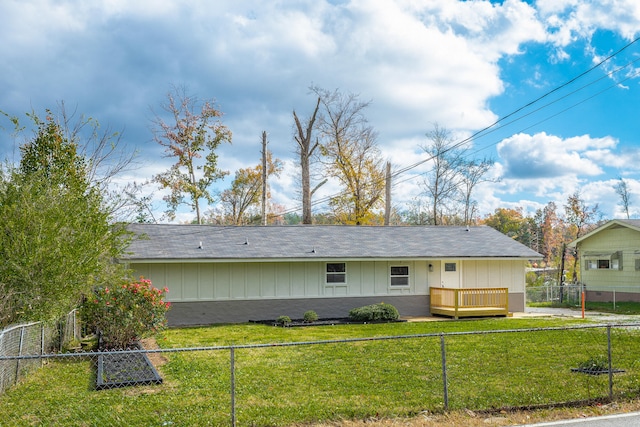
(42, 337)
(233, 388)
(19, 353)
(614, 299)
(610, 362)
(444, 372)
(3, 364)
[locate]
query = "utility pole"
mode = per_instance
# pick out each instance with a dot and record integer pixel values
(264, 178)
(561, 278)
(387, 197)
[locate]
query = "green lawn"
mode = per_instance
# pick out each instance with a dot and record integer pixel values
(306, 383)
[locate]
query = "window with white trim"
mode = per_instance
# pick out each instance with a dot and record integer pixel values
(612, 261)
(336, 273)
(399, 275)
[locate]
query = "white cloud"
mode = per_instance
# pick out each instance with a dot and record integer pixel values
(581, 18)
(546, 156)
(420, 62)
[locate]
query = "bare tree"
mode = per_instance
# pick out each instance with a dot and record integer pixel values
(622, 190)
(104, 149)
(471, 174)
(352, 156)
(441, 183)
(195, 132)
(305, 149)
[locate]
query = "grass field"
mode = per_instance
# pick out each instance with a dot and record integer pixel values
(285, 385)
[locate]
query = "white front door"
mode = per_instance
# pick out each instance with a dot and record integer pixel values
(450, 273)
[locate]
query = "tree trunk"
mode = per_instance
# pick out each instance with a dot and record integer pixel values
(306, 150)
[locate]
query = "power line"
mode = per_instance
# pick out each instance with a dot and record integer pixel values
(490, 128)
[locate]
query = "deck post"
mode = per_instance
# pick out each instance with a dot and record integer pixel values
(456, 294)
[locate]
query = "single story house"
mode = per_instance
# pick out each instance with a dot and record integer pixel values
(610, 261)
(222, 274)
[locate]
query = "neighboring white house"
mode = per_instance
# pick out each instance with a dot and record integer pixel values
(218, 274)
(610, 261)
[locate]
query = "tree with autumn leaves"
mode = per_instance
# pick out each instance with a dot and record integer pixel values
(548, 231)
(351, 155)
(240, 202)
(191, 137)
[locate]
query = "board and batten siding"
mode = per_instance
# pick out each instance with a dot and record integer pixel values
(497, 274)
(219, 281)
(494, 274)
(612, 240)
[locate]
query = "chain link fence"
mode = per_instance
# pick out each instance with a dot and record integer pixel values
(36, 338)
(568, 294)
(304, 382)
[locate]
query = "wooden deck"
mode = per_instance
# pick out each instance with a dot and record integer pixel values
(469, 302)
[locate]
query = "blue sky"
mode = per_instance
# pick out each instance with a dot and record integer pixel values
(461, 64)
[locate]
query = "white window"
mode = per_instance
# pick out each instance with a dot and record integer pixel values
(336, 272)
(604, 261)
(602, 264)
(400, 275)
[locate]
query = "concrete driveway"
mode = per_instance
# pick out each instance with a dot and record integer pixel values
(618, 420)
(569, 312)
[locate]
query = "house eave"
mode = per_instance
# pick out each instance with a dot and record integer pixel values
(317, 259)
(610, 224)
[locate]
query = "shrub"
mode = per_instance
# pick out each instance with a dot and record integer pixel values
(310, 316)
(373, 312)
(595, 364)
(125, 313)
(283, 320)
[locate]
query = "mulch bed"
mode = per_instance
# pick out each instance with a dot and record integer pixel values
(122, 369)
(321, 322)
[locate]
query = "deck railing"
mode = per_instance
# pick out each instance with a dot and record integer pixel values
(469, 302)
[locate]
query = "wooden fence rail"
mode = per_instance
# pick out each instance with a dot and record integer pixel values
(469, 302)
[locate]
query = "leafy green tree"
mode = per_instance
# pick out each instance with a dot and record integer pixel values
(52, 157)
(56, 240)
(506, 221)
(192, 138)
(102, 152)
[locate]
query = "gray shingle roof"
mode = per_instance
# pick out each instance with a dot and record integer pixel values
(182, 242)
